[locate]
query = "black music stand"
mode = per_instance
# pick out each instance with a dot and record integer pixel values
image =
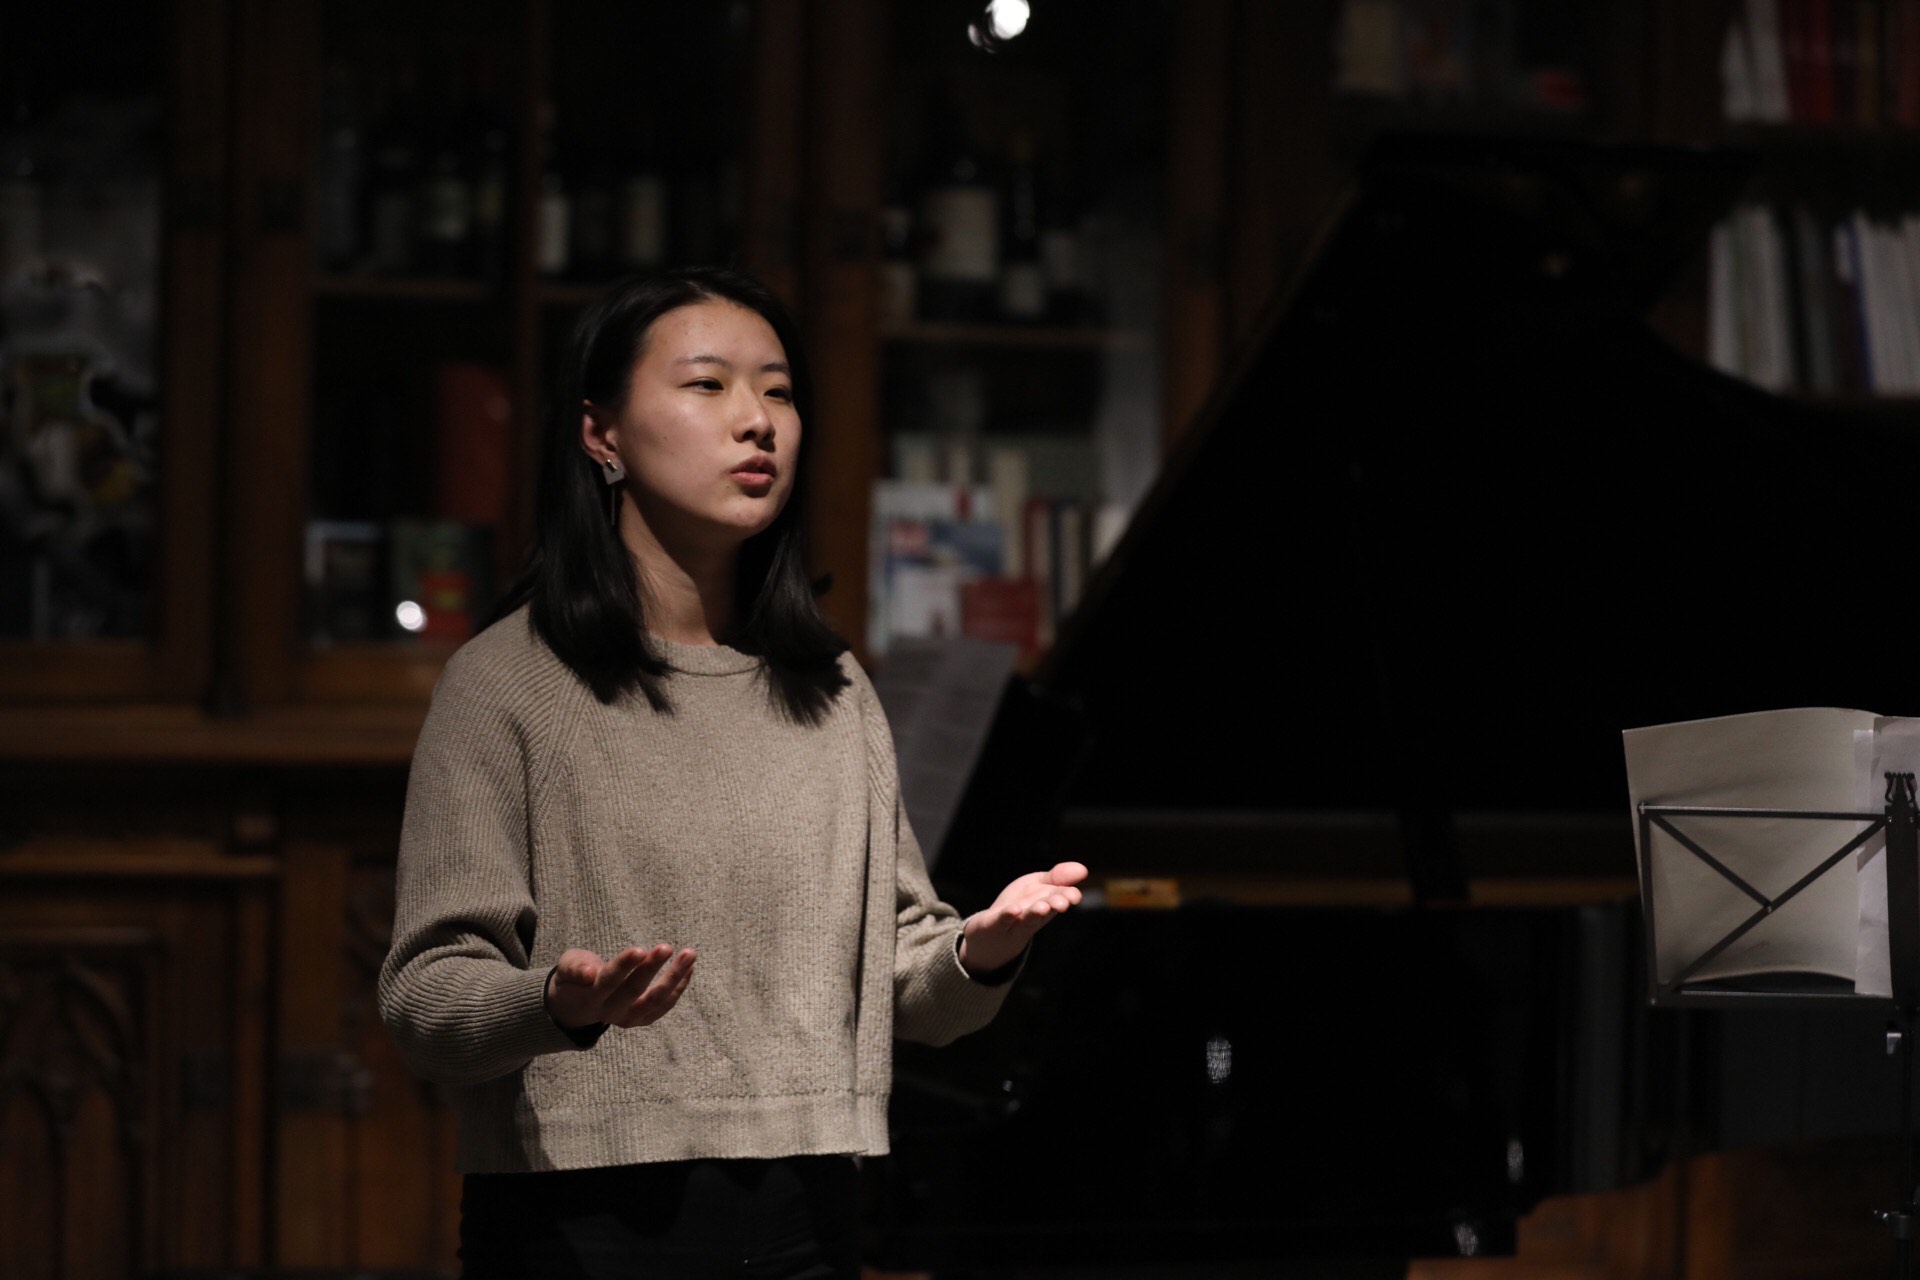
(1902, 825)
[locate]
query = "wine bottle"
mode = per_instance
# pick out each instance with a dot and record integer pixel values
(491, 144)
(960, 216)
(553, 214)
(594, 222)
(392, 164)
(551, 247)
(899, 276)
(1023, 284)
(443, 203)
(341, 172)
(643, 216)
(1062, 252)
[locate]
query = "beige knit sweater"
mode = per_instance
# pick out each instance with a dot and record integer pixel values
(538, 819)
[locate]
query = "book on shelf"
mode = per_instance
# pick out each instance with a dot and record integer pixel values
(1832, 934)
(926, 539)
(1823, 62)
(1042, 561)
(1005, 610)
(943, 560)
(1900, 65)
(473, 448)
(1801, 303)
(440, 577)
(345, 575)
(1443, 51)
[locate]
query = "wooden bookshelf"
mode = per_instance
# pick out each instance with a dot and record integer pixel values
(1008, 337)
(404, 289)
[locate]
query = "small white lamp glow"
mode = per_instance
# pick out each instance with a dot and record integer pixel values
(1003, 20)
(1219, 1059)
(410, 616)
(1009, 17)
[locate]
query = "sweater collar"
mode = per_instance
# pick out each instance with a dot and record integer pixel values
(704, 659)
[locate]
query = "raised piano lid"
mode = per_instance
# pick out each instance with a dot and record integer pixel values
(1455, 519)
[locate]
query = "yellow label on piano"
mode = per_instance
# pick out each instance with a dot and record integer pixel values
(1142, 891)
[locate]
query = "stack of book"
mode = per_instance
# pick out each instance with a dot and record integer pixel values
(1824, 62)
(428, 575)
(1825, 306)
(974, 560)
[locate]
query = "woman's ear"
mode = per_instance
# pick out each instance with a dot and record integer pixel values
(598, 436)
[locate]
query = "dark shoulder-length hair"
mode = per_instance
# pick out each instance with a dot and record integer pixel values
(581, 580)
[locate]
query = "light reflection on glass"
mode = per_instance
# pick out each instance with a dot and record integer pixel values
(1219, 1059)
(80, 136)
(410, 615)
(1004, 20)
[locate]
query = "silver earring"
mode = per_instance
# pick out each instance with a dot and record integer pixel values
(611, 470)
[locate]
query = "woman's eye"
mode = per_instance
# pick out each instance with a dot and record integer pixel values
(780, 393)
(706, 384)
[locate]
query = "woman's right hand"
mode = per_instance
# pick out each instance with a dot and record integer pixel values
(584, 989)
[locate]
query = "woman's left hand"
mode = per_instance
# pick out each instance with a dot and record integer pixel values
(995, 936)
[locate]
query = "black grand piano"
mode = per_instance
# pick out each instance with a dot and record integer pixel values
(1455, 519)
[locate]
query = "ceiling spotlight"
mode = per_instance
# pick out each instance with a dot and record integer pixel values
(1003, 20)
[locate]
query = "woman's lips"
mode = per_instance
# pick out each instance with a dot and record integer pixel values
(753, 481)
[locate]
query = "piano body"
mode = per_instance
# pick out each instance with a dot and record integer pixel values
(1456, 519)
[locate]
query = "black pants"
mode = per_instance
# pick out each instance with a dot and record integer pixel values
(794, 1218)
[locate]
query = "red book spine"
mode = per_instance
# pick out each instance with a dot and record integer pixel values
(1903, 63)
(1002, 609)
(1822, 65)
(473, 417)
(1794, 52)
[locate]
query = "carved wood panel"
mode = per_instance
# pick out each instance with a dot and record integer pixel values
(78, 1100)
(365, 1174)
(407, 1201)
(133, 1047)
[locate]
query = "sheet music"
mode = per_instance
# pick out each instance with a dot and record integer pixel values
(940, 697)
(1896, 749)
(1802, 758)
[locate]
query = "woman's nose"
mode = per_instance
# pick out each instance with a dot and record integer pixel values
(755, 423)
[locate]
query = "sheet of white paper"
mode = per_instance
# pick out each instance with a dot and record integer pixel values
(940, 697)
(1896, 749)
(1795, 759)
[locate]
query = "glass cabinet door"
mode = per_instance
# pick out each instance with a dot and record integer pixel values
(463, 177)
(1020, 309)
(111, 123)
(411, 487)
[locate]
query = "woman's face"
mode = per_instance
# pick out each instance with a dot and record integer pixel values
(709, 434)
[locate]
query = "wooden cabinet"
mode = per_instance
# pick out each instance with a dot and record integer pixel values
(347, 311)
(198, 813)
(114, 241)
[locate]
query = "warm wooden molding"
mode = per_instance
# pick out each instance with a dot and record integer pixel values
(168, 734)
(125, 860)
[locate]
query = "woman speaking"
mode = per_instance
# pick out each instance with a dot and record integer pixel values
(660, 914)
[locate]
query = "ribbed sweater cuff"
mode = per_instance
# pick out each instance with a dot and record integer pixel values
(521, 1023)
(948, 1001)
(993, 977)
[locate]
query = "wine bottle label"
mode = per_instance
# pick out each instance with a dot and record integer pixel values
(551, 249)
(898, 300)
(490, 199)
(643, 221)
(963, 234)
(340, 200)
(390, 231)
(1060, 259)
(1023, 291)
(593, 225)
(446, 209)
